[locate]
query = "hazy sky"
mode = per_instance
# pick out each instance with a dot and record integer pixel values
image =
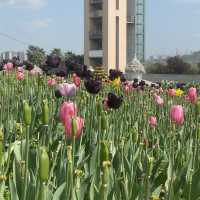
(172, 25)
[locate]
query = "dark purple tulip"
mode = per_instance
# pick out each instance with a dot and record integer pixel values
(135, 85)
(93, 86)
(58, 94)
(114, 101)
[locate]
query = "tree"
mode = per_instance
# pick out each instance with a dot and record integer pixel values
(71, 57)
(174, 65)
(36, 55)
(57, 52)
(177, 65)
(198, 67)
(157, 68)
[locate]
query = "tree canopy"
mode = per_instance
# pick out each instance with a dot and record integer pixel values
(36, 55)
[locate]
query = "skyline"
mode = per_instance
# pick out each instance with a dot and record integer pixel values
(39, 23)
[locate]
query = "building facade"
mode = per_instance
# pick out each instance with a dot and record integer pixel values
(9, 55)
(114, 32)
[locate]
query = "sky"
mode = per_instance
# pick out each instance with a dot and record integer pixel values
(172, 26)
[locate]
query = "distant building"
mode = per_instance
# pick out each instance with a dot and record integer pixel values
(114, 33)
(9, 55)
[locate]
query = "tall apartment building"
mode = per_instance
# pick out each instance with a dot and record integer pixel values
(114, 32)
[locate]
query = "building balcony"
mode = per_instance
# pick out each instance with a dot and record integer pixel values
(96, 14)
(96, 35)
(131, 19)
(96, 53)
(96, 1)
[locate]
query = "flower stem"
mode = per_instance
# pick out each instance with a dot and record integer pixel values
(26, 163)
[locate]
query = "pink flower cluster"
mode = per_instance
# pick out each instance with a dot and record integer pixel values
(68, 111)
(172, 92)
(153, 121)
(76, 80)
(67, 89)
(35, 71)
(192, 95)
(158, 100)
(20, 74)
(177, 114)
(52, 82)
(128, 87)
(8, 67)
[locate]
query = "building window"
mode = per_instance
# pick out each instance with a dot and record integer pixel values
(117, 4)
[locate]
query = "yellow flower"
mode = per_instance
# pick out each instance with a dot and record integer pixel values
(116, 82)
(179, 92)
(155, 198)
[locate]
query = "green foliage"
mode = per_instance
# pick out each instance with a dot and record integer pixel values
(72, 57)
(58, 52)
(36, 55)
(119, 156)
(177, 65)
(173, 65)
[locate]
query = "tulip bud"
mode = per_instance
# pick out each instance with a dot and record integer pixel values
(149, 165)
(22, 169)
(45, 112)
(191, 172)
(104, 152)
(74, 127)
(1, 145)
(106, 165)
(197, 108)
(104, 122)
(1, 135)
(69, 166)
(27, 113)
(99, 109)
(69, 153)
(79, 173)
(134, 135)
(105, 180)
(198, 132)
(19, 129)
(44, 165)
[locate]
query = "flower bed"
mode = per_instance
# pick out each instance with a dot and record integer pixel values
(76, 139)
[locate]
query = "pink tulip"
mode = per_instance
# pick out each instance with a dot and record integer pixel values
(51, 82)
(67, 90)
(177, 114)
(8, 67)
(79, 126)
(67, 110)
(192, 95)
(153, 121)
(128, 88)
(35, 71)
(20, 69)
(158, 100)
(76, 80)
(172, 92)
(20, 76)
